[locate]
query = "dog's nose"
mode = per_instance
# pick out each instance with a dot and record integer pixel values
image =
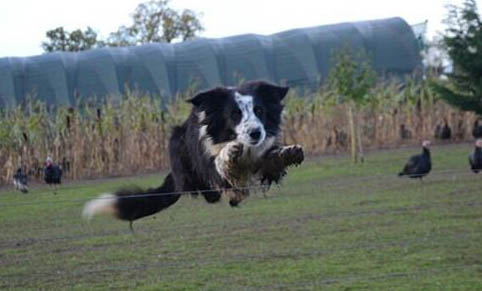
(255, 134)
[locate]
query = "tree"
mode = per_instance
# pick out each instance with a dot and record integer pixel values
(155, 21)
(61, 40)
(463, 42)
(352, 78)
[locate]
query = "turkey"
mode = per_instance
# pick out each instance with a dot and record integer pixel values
(404, 132)
(443, 131)
(418, 165)
(477, 130)
(52, 173)
(20, 181)
(475, 158)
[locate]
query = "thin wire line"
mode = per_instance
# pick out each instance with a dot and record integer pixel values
(90, 182)
(136, 195)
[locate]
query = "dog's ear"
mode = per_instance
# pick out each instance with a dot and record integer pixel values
(209, 96)
(268, 91)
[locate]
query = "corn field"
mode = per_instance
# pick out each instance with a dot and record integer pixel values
(130, 136)
(396, 115)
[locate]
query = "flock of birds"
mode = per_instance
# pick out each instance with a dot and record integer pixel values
(417, 166)
(52, 176)
(475, 158)
(420, 165)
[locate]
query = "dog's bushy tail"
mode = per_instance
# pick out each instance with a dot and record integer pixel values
(132, 203)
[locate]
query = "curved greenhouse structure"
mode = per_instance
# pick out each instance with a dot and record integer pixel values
(296, 57)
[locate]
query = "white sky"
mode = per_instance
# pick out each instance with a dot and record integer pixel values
(23, 23)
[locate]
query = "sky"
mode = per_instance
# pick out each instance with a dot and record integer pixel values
(23, 23)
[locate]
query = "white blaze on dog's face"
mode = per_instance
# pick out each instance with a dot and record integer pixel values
(249, 114)
(250, 130)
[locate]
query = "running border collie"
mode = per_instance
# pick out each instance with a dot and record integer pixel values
(229, 143)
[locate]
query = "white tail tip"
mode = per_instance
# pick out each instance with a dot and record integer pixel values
(105, 203)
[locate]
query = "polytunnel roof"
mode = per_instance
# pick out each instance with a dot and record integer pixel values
(294, 57)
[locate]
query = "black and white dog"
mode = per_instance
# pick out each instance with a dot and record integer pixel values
(229, 143)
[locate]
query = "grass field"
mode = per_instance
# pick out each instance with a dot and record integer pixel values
(331, 225)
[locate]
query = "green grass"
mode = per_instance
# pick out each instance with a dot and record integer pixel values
(331, 225)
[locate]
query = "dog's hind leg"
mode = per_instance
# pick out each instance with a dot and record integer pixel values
(211, 196)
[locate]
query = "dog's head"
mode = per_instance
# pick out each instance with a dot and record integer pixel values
(249, 114)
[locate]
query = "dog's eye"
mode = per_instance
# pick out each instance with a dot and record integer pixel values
(258, 110)
(236, 114)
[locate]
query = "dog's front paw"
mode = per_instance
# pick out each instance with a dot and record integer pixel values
(237, 196)
(292, 155)
(235, 151)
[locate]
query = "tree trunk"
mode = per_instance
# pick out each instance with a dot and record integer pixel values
(353, 135)
(358, 134)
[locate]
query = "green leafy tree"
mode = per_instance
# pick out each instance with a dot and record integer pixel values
(352, 78)
(155, 21)
(463, 42)
(61, 40)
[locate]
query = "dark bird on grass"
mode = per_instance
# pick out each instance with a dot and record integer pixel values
(52, 173)
(443, 132)
(475, 158)
(418, 165)
(404, 132)
(20, 181)
(477, 130)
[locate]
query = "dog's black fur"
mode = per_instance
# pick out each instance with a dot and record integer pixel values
(212, 153)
